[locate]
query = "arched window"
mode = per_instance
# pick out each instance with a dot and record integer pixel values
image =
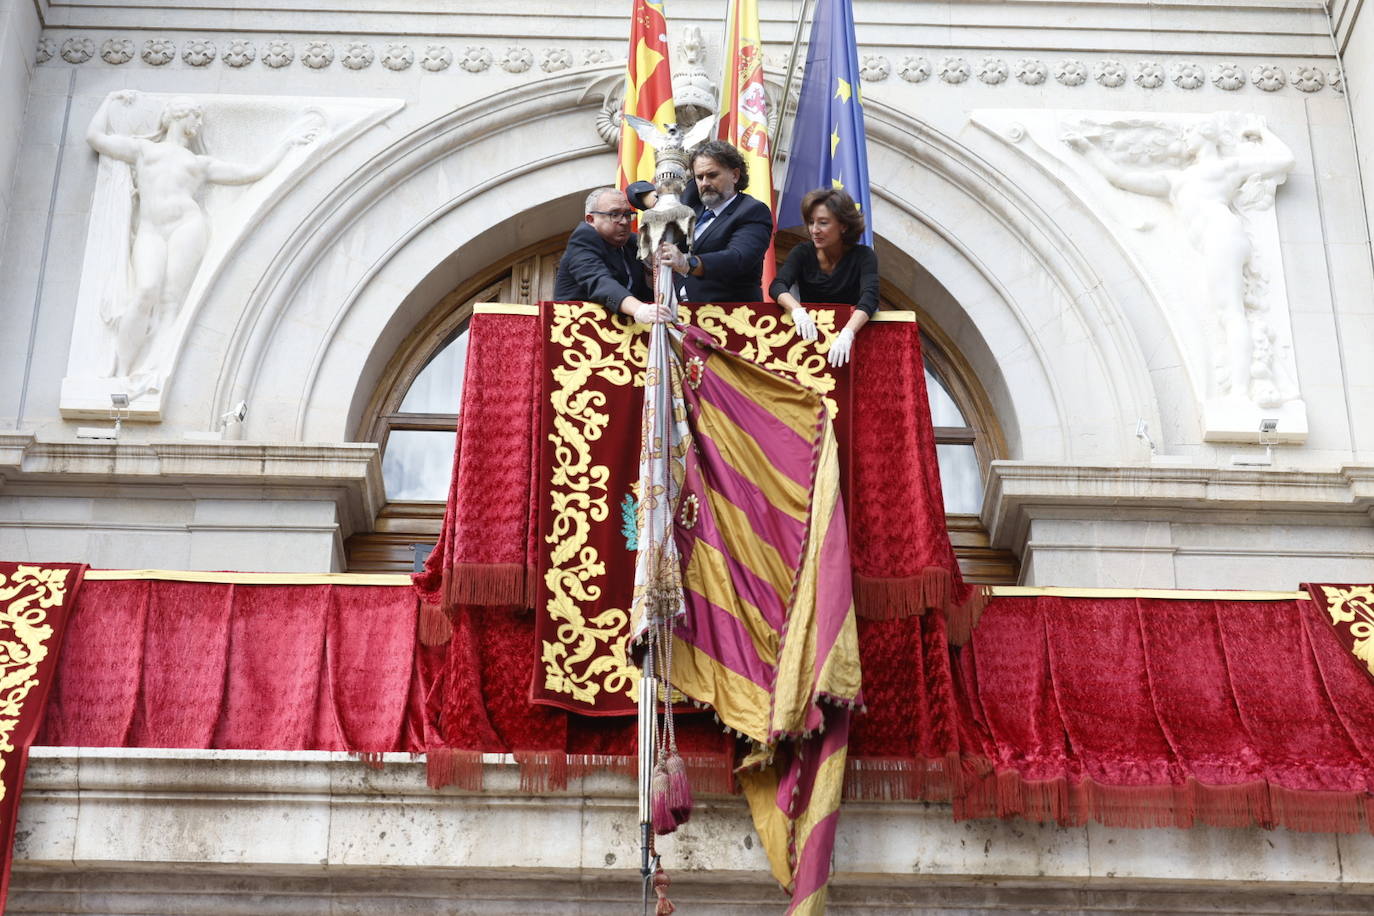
(414, 412)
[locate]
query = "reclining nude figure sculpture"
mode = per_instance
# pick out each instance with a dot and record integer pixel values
(1212, 173)
(168, 228)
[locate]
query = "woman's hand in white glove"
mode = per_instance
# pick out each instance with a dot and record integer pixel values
(806, 325)
(839, 350)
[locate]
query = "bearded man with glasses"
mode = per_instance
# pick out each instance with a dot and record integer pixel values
(601, 262)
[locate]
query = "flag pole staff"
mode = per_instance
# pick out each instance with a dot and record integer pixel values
(787, 89)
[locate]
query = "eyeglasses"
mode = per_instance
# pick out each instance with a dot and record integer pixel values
(620, 216)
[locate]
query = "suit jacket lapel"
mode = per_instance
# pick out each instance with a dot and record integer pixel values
(714, 224)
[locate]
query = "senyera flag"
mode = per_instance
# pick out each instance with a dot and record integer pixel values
(648, 89)
(744, 108)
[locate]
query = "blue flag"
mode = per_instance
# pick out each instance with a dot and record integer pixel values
(828, 149)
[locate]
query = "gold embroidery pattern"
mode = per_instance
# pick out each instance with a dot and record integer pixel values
(774, 344)
(589, 654)
(1354, 607)
(587, 661)
(24, 633)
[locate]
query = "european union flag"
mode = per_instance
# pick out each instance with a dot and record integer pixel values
(828, 149)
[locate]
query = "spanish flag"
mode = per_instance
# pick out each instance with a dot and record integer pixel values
(648, 89)
(744, 108)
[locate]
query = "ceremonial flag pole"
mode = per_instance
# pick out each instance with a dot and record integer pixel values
(787, 81)
(828, 148)
(743, 117)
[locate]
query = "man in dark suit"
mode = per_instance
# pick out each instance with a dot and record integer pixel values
(733, 230)
(601, 263)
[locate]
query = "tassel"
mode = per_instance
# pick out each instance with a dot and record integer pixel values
(679, 788)
(661, 815)
(665, 906)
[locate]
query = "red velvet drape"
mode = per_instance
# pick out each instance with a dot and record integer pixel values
(151, 663)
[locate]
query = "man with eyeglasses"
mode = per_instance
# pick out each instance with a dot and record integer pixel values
(601, 262)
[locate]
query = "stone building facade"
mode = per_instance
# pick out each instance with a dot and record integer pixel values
(1136, 235)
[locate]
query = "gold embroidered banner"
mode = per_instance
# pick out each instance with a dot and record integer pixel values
(1350, 609)
(34, 604)
(592, 376)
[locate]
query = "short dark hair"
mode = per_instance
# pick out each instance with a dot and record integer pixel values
(726, 155)
(839, 203)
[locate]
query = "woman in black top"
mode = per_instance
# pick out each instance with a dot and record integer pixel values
(832, 267)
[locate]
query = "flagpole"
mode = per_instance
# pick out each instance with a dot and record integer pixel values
(787, 87)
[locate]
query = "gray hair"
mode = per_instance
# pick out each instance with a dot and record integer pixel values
(593, 197)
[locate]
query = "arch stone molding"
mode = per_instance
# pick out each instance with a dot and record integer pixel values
(995, 265)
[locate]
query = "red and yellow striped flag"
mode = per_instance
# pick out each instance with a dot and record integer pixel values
(744, 108)
(648, 89)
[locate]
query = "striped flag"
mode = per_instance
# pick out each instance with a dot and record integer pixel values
(648, 90)
(768, 636)
(744, 108)
(828, 148)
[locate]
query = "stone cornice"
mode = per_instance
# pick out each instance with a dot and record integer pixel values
(349, 473)
(1017, 491)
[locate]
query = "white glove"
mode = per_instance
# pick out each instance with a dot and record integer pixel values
(649, 313)
(839, 350)
(806, 325)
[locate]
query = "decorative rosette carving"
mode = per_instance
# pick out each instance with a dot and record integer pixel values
(158, 52)
(1269, 77)
(1308, 78)
(45, 51)
(78, 50)
(517, 60)
(475, 60)
(1031, 72)
(1229, 77)
(556, 59)
(1071, 72)
(198, 52)
(914, 69)
(397, 57)
(993, 71)
(595, 56)
(955, 70)
(357, 56)
(1149, 75)
(240, 53)
(317, 54)
(1189, 76)
(278, 53)
(1111, 74)
(117, 51)
(874, 68)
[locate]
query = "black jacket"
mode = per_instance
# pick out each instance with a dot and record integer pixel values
(731, 248)
(593, 271)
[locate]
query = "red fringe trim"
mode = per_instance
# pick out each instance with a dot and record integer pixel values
(487, 584)
(910, 596)
(433, 626)
(370, 759)
(446, 766)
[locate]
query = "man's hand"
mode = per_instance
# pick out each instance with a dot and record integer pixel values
(645, 312)
(671, 255)
(806, 325)
(839, 350)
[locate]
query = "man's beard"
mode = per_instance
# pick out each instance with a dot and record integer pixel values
(711, 199)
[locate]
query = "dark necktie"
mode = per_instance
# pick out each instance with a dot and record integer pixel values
(706, 217)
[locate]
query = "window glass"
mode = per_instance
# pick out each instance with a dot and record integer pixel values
(439, 385)
(943, 410)
(417, 464)
(960, 479)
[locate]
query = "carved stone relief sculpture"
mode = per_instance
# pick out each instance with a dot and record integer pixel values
(1191, 198)
(178, 180)
(694, 92)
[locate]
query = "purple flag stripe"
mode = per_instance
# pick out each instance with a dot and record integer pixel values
(813, 866)
(802, 774)
(787, 451)
(707, 572)
(775, 526)
(722, 636)
(834, 590)
(777, 399)
(758, 586)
